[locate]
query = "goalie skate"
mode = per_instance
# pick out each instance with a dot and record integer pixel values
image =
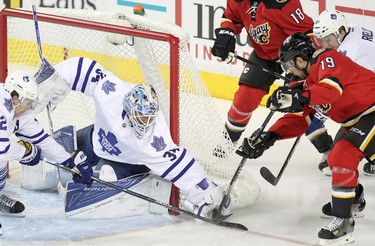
(338, 232)
(11, 207)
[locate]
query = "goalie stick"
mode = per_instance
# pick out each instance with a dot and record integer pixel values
(46, 68)
(266, 173)
(154, 201)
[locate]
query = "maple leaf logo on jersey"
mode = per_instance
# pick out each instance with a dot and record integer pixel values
(8, 104)
(108, 86)
(260, 34)
(158, 143)
(108, 142)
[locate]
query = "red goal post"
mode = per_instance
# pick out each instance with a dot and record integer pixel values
(145, 50)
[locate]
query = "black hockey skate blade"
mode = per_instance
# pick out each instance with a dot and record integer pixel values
(267, 175)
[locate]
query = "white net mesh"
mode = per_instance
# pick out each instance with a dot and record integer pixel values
(201, 126)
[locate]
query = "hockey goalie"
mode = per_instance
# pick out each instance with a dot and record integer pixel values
(129, 144)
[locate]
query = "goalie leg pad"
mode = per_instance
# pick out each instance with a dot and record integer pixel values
(67, 138)
(42, 176)
(103, 202)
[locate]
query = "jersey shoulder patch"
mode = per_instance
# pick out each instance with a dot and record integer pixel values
(275, 4)
(314, 57)
(318, 52)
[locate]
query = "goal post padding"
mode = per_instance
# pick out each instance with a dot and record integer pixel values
(147, 50)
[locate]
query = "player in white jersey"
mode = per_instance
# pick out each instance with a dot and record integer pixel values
(17, 95)
(354, 41)
(130, 135)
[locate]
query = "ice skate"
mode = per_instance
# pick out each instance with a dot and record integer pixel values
(358, 205)
(369, 169)
(323, 166)
(338, 232)
(11, 207)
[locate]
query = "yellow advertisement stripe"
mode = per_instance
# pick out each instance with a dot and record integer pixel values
(220, 86)
(15, 4)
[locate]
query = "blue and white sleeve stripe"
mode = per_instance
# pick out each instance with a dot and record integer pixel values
(36, 138)
(180, 161)
(84, 74)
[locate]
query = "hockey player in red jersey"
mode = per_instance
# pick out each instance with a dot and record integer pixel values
(267, 23)
(341, 89)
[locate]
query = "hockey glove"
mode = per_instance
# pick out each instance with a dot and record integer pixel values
(251, 150)
(53, 89)
(78, 162)
(287, 100)
(32, 154)
(225, 42)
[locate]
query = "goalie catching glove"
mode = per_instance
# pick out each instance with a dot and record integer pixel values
(225, 42)
(52, 88)
(78, 162)
(287, 100)
(32, 153)
(253, 150)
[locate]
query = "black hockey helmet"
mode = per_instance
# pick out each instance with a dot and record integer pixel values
(296, 45)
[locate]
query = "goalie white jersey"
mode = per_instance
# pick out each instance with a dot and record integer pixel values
(359, 45)
(113, 136)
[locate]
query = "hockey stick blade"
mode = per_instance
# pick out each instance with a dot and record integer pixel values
(152, 200)
(267, 175)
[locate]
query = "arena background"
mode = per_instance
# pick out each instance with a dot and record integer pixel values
(200, 18)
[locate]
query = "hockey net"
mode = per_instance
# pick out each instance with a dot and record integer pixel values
(194, 119)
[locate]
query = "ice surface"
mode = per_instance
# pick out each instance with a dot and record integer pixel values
(287, 214)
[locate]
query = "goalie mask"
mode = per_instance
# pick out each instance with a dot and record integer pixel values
(23, 84)
(141, 106)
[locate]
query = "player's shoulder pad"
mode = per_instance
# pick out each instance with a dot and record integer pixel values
(317, 53)
(275, 4)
